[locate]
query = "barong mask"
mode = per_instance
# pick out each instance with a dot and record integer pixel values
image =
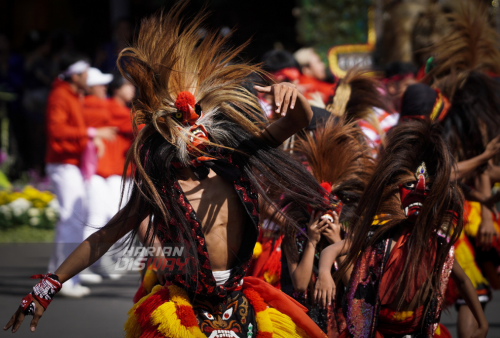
(414, 193)
(232, 318)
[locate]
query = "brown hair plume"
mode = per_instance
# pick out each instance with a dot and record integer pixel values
(166, 59)
(169, 57)
(408, 145)
(471, 44)
(356, 96)
(337, 154)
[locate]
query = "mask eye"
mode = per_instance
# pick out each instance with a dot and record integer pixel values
(208, 315)
(227, 314)
(428, 186)
(178, 115)
(409, 185)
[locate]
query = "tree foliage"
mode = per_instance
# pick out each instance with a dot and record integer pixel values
(324, 23)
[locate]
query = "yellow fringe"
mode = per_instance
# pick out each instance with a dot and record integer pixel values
(271, 278)
(473, 220)
(283, 326)
(169, 324)
(466, 260)
(179, 296)
(257, 250)
(132, 327)
(403, 315)
(150, 280)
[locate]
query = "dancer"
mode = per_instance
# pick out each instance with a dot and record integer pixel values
(338, 157)
(461, 68)
(200, 163)
(401, 248)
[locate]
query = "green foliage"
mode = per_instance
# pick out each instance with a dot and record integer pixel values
(326, 23)
(26, 234)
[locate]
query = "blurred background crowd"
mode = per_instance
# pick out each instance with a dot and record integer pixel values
(54, 51)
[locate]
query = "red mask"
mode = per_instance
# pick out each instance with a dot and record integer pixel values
(188, 114)
(414, 193)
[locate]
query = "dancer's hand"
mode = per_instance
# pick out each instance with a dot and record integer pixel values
(18, 318)
(492, 148)
(294, 108)
(486, 234)
(285, 95)
(315, 228)
(324, 291)
(332, 231)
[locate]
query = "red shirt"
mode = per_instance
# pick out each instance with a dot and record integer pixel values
(65, 125)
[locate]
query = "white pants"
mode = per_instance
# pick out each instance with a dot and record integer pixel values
(103, 199)
(69, 188)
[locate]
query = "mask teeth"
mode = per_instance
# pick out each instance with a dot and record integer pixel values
(406, 211)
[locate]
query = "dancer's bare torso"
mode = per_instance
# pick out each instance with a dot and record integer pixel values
(221, 213)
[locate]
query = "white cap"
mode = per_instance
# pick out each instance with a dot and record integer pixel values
(96, 77)
(76, 68)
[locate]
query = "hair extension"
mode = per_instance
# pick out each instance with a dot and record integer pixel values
(408, 145)
(356, 96)
(166, 59)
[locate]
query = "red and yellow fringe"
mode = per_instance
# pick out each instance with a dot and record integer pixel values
(167, 312)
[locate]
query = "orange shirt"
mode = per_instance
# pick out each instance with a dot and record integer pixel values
(96, 112)
(113, 161)
(65, 125)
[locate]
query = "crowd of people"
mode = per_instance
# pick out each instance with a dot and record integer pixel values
(307, 205)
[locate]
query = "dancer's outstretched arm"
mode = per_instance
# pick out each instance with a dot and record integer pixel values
(87, 253)
(294, 108)
(469, 294)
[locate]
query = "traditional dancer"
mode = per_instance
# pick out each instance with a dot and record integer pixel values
(344, 176)
(461, 68)
(200, 165)
(401, 246)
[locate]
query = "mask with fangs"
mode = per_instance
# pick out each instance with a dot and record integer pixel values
(188, 114)
(414, 193)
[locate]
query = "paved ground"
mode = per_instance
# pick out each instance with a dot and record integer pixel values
(103, 313)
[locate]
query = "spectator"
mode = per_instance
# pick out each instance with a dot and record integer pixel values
(398, 76)
(67, 137)
(313, 73)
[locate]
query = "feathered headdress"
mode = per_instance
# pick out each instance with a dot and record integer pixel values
(179, 74)
(464, 59)
(355, 97)
(337, 154)
(185, 81)
(470, 44)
